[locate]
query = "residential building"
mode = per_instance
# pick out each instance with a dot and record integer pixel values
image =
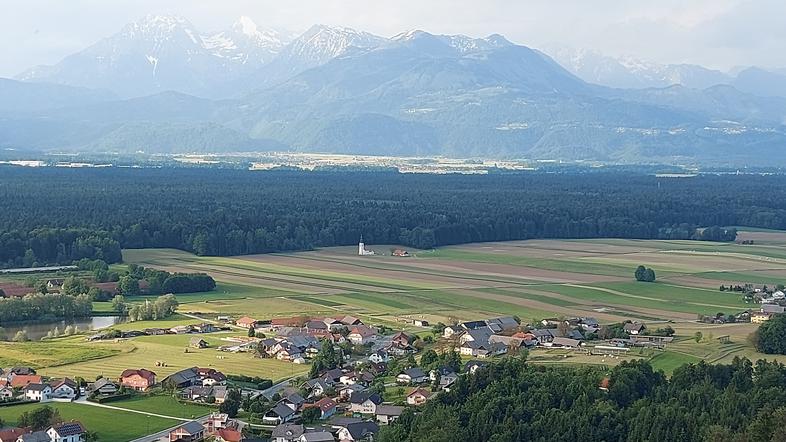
(379, 356)
(103, 386)
(286, 432)
(472, 366)
(189, 432)
(358, 431)
(418, 397)
(38, 392)
(138, 379)
(279, 414)
(66, 432)
(11, 434)
(246, 322)
(198, 343)
(316, 436)
(364, 402)
(64, 389)
(361, 335)
(758, 318)
(413, 375)
(327, 407)
(634, 328)
(387, 414)
(22, 380)
(6, 393)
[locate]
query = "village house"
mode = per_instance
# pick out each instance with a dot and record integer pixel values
(196, 393)
(279, 414)
(446, 376)
(452, 331)
(503, 324)
(246, 322)
(773, 309)
(316, 436)
(413, 375)
(565, 343)
(346, 391)
(205, 327)
(318, 386)
(327, 407)
(420, 323)
(21, 381)
(189, 432)
(198, 343)
(472, 366)
(6, 393)
(54, 284)
(11, 434)
(103, 386)
(480, 349)
(379, 356)
(66, 432)
(418, 397)
(182, 329)
(358, 431)
(634, 328)
(181, 379)
(64, 389)
(361, 335)
(138, 379)
(759, 317)
(287, 432)
(387, 414)
(364, 402)
(38, 392)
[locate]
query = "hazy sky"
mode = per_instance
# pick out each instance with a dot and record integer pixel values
(716, 33)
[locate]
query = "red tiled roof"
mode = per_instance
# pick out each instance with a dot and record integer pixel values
(22, 380)
(230, 435)
(12, 434)
(146, 374)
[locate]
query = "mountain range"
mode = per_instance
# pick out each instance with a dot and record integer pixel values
(631, 72)
(160, 85)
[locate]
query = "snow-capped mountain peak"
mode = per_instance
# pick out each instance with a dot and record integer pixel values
(322, 43)
(245, 25)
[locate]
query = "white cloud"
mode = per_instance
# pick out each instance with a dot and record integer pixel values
(717, 33)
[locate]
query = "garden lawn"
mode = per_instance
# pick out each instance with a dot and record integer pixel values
(110, 425)
(165, 405)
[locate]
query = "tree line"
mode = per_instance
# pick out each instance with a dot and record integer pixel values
(512, 401)
(45, 307)
(57, 216)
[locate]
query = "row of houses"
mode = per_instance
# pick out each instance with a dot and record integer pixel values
(331, 324)
(341, 429)
(72, 431)
(217, 427)
(176, 330)
(142, 379)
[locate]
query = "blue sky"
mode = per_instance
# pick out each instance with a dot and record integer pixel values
(716, 33)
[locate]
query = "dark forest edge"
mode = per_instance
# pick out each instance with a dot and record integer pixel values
(53, 216)
(513, 400)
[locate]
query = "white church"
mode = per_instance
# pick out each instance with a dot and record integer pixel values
(362, 248)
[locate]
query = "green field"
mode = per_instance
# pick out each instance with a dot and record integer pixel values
(531, 279)
(164, 405)
(110, 425)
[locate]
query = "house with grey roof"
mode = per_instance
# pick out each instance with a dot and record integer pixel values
(287, 432)
(189, 432)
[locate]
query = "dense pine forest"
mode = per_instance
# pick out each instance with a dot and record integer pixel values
(515, 401)
(56, 216)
